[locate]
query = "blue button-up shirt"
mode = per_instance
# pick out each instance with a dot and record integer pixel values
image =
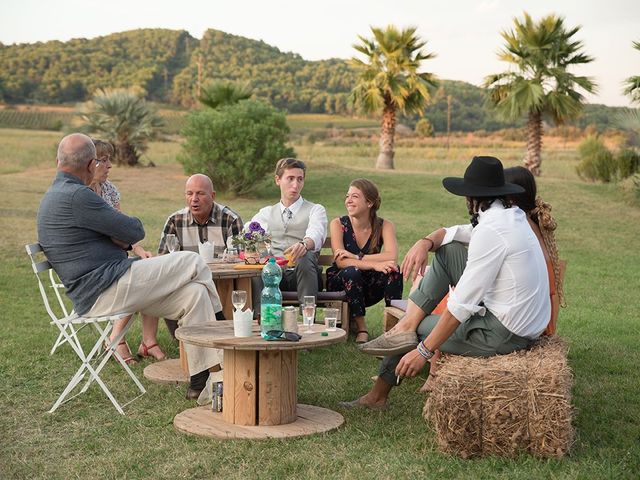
(75, 227)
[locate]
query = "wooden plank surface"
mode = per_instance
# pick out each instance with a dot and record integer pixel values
(229, 385)
(167, 372)
(220, 335)
(245, 388)
(225, 287)
(227, 270)
(309, 420)
(269, 387)
(289, 386)
(184, 360)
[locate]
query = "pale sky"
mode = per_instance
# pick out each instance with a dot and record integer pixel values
(465, 34)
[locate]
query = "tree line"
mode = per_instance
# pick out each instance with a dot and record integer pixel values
(171, 66)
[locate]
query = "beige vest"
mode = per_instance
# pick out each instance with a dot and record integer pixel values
(296, 228)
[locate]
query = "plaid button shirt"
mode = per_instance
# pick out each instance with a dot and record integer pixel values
(222, 224)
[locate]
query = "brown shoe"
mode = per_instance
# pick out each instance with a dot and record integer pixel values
(193, 394)
(362, 337)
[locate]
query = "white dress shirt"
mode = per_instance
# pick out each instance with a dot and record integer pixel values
(505, 270)
(317, 228)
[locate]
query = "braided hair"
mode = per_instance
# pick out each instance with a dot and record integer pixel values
(475, 205)
(541, 215)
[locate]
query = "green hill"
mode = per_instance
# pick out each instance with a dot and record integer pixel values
(167, 65)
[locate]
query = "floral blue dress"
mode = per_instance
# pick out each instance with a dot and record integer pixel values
(110, 193)
(363, 287)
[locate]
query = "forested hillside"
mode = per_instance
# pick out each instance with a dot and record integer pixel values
(169, 65)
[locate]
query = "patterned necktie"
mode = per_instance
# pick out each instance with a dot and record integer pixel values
(286, 217)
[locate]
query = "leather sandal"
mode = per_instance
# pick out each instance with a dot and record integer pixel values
(127, 357)
(143, 351)
(362, 336)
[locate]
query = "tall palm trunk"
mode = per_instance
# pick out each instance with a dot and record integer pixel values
(387, 138)
(534, 143)
(125, 154)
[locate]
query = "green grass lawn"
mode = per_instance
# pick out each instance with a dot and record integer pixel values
(598, 234)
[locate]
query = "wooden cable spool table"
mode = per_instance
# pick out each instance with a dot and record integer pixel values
(227, 277)
(260, 380)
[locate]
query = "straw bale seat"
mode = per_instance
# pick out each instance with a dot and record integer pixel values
(504, 405)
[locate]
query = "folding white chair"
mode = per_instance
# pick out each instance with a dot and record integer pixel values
(59, 290)
(69, 325)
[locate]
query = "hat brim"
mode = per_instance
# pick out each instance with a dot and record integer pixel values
(458, 186)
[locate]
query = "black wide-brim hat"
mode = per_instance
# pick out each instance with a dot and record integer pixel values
(484, 177)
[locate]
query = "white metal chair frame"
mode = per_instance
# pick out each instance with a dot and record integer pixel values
(59, 289)
(69, 325)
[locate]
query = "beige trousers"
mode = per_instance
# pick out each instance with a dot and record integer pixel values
(177, 286)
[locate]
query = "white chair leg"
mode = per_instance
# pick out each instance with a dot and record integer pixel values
(93, 363)
(94, 373)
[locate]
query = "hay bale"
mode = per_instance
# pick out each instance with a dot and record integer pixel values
(504, 405)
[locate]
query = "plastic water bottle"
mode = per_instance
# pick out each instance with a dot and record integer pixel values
(271, 299)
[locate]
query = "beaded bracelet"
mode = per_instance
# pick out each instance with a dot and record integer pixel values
(424, 351)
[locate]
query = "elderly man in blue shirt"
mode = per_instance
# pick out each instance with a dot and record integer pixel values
(86, 240)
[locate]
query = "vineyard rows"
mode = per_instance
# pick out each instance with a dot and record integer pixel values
(59, 120)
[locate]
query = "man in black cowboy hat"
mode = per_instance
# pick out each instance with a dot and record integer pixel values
(501, 298)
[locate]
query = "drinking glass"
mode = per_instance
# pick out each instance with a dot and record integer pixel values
(330, 319)
(308, 312)
(267, 245)
(172, 243)
(239, 299)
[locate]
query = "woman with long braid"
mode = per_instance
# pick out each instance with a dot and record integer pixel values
(543, 225)
(365, 251)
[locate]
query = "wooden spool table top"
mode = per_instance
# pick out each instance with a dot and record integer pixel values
(260, 385)
(220, 335)
(220, 271)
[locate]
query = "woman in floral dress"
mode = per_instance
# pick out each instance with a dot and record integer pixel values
(102, 186)
(365, 253)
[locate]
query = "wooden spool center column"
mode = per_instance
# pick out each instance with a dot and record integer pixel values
(260, 387)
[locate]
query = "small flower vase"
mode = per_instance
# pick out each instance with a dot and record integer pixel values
(251, 255)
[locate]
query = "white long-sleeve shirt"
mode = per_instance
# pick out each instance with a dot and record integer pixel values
(505, 271)
(317, 228)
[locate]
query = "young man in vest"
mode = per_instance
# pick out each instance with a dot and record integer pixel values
(298, 229)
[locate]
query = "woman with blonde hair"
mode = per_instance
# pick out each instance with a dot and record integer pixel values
(108, 191)
(365, 251)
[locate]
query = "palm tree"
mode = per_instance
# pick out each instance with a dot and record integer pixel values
(124, 118)
(633, 83)
(389, 81)
(541, 85)
(220, 93)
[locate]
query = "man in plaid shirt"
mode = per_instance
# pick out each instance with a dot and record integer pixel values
(202, 219)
